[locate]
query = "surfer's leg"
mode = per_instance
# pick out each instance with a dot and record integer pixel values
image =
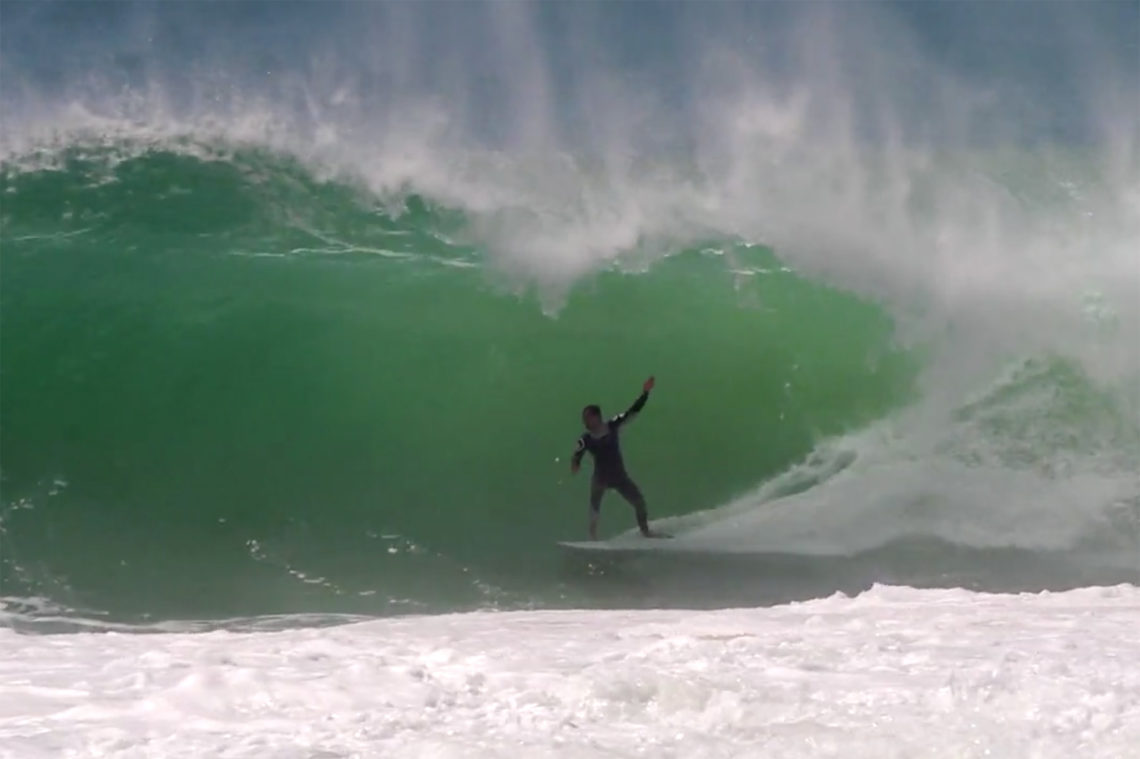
(597, 490)
(630, 492)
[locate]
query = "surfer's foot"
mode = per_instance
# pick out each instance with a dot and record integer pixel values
(655, 534)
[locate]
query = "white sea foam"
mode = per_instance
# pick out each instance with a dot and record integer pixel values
(894, 672)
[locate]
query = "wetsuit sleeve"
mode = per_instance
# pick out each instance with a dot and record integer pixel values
(579, 451)
(630, 413)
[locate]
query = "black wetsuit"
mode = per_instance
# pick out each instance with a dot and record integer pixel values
(609, 469)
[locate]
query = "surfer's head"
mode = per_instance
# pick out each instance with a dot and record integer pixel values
(592, 417)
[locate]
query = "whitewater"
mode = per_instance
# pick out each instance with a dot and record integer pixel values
(893, 672)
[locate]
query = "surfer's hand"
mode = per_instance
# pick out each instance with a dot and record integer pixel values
(649, 383)
(575, 465)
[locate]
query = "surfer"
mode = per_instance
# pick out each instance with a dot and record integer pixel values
(601, 440)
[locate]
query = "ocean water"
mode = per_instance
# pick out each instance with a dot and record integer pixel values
(300, 302)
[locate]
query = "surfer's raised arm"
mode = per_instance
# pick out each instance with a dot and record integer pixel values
(631, 413)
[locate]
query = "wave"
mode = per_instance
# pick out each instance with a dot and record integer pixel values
(313, 340)
(272, 378)
(317, 391)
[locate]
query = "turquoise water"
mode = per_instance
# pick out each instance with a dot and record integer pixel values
(219, 396)
(310, 332)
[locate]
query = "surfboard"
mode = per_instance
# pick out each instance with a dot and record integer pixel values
(587, 545)
(622, 544)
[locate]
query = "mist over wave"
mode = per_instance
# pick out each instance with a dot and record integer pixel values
(865, 142)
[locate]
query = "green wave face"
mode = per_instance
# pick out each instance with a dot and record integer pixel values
(299, 315)
(230, 387)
